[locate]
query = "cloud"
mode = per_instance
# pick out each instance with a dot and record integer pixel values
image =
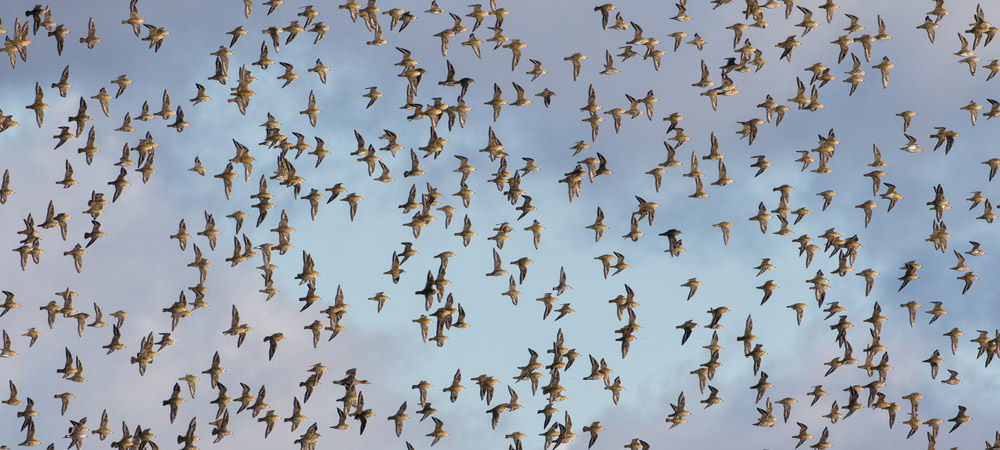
(138, 269)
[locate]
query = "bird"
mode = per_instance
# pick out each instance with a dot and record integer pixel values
(593, 429)
(609, 65)
(867, 206)
(787, 45)
(398, 419)
(934, 360)
(816, 393)
(38, 106)
(910, 273)
(311, 109)
(869, 275)
(761, 164)
(546, 95)
(515, 46)
(5, 190)
(7, 350)
(174, 401)
(438, 431)
(761, 217)
(77, 253)
(802, 435)
(764, 266)
(937, 311)
(372, 95)
(968, 278)
(272, 341)
(288, 76)
(911, 308)
(496, 102)
(598, 225)
(692, 285)
(575, 59)
(959, 418)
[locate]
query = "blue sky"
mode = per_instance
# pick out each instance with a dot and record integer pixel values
(138, 269)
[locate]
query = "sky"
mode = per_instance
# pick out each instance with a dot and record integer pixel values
(137, 268)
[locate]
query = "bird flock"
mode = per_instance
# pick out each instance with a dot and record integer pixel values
(379, 225)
